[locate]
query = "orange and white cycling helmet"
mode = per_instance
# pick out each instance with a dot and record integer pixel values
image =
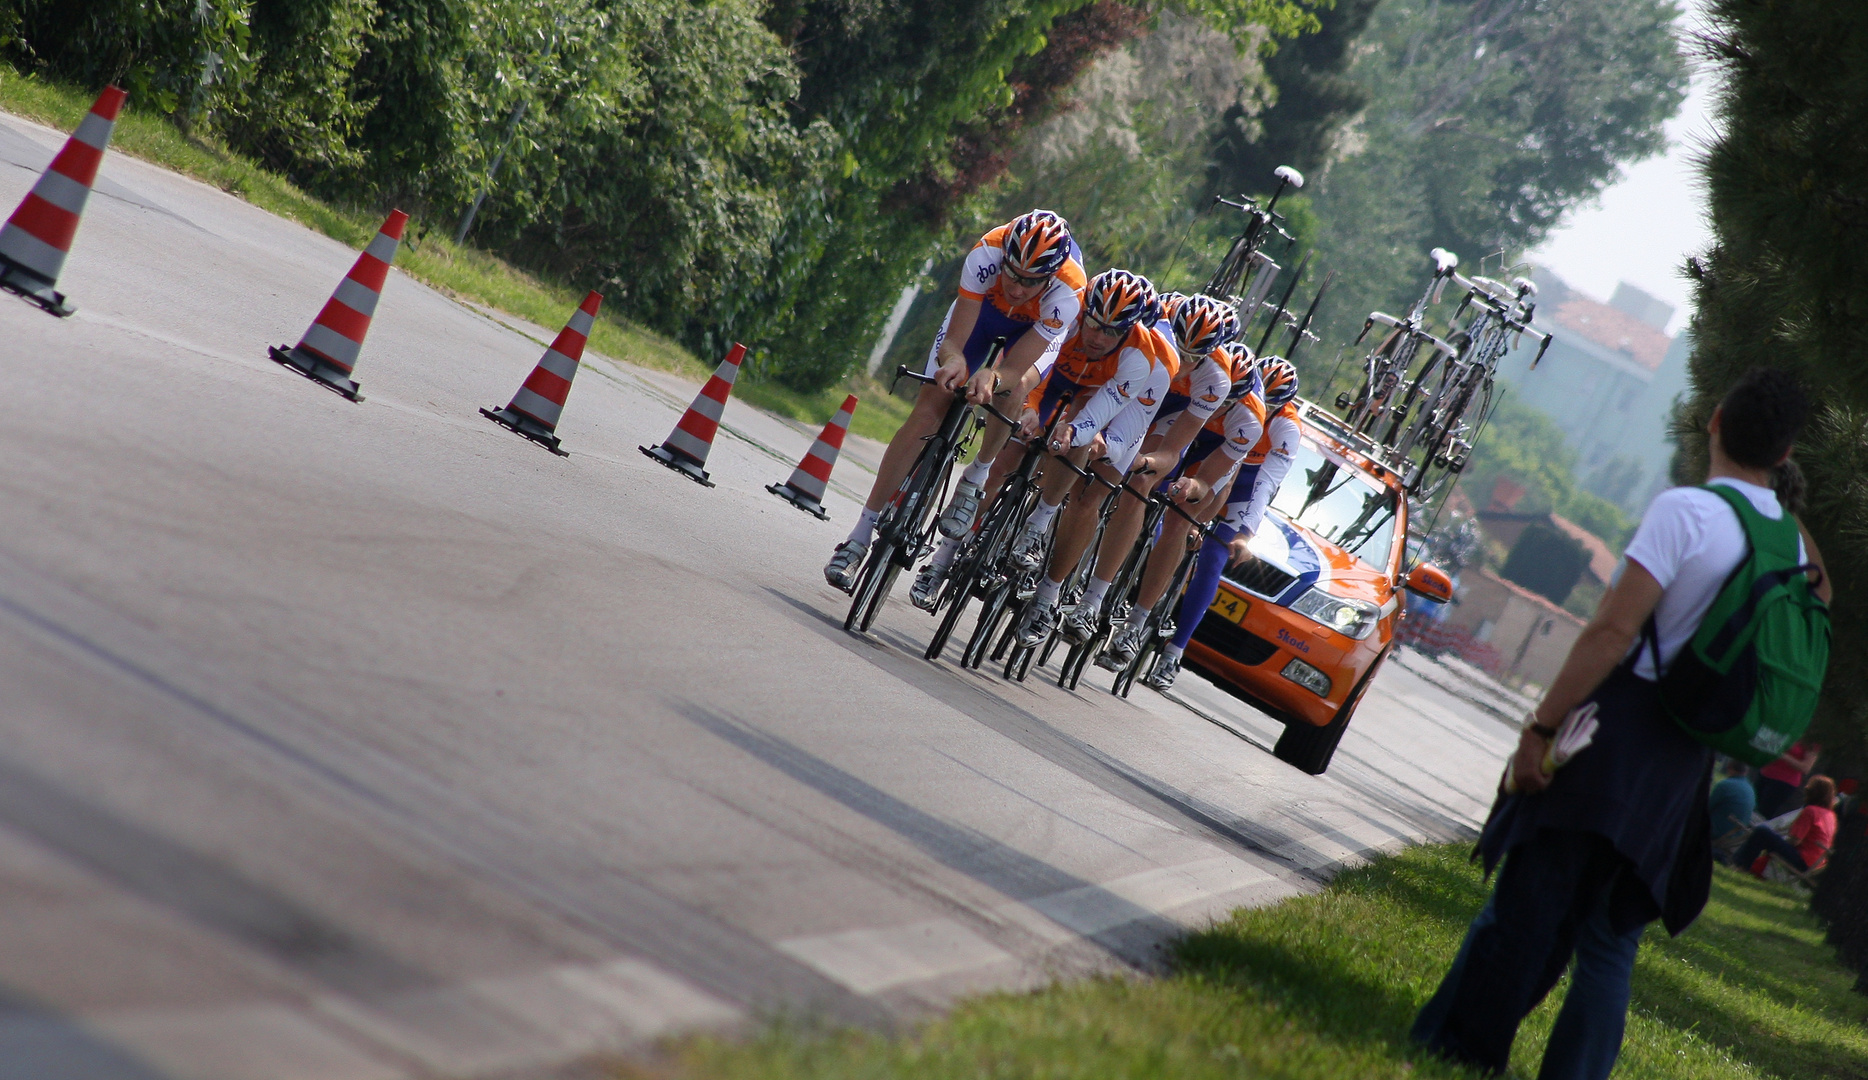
(1241, 365)
(1037, 244)
(1119, 299)
(1280, 382)
(1202, 324)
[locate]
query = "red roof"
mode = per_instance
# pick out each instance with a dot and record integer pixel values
(1611, 328)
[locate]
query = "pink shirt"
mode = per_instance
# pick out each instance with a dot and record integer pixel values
(1779, 770)
(1813, 832)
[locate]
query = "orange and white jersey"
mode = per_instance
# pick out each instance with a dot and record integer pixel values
(1123, 436)
(1242, 425)
(1273, 455)
(1198, 388)
(1053, 313)
(1145, 364)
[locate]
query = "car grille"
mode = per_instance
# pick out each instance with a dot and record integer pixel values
(1232, 642)
(1261, 577)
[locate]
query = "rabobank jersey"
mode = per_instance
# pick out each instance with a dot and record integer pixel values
(1263, 472)
(1201, 388)
(1242, 424)
(1143, 365)
(1052, 313)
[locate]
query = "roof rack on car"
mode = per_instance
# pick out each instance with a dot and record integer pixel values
(1319, 417)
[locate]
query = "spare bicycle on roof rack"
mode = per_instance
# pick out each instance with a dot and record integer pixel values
(1427, 422)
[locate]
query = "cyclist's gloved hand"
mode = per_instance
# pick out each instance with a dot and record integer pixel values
(1062, 438)
(1099, 449)
(1188, 490)
(1028, 423)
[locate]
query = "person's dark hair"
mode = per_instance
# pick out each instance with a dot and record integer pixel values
(1820, 791)
(1762, 416)
(1787, 481)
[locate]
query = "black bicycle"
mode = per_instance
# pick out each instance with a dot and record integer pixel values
(1260, 224)
(904, 531)
(980, 569)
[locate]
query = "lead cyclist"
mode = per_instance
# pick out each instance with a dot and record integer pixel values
(1022, 281)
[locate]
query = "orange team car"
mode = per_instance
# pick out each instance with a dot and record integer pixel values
(1300, 630)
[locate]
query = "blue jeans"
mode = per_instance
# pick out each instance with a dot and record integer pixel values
(1763, 839)
(1517, 948)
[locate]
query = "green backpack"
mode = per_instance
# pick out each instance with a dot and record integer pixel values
(1747, 683)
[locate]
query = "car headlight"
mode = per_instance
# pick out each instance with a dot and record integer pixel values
(1350, 618)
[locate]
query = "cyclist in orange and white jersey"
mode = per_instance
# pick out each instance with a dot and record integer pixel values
(1201, 329)
(1023, 281)
(1107, 369)
(1199, 482)
(1250, 494)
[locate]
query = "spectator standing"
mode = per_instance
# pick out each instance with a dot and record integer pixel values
(1620, 836)
(1732, 801)
(1811, 834)
(1780, 781)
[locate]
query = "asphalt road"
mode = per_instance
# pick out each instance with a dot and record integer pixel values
(368, 740)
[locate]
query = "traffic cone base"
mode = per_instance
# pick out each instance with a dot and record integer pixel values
(799, 499)
(317, 369)
(679, 462)
(520, 424)
(27, 285)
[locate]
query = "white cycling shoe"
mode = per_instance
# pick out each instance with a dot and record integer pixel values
(1028, 553)
(1123, 648)
(844, 563)
(1165, 670)
(1036, 624)
(958, 517)
(1079, 626)
(926, 592)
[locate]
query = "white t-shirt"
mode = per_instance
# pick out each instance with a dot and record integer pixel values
(1690, 540)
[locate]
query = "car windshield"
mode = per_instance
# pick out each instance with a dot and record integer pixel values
(1340, 504)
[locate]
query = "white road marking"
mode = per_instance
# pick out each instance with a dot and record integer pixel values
(527, 1020)
(870, 961)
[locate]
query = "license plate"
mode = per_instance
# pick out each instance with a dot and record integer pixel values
(1230, 607)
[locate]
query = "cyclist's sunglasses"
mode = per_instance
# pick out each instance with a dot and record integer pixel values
(1021, 280)
(1091, 322)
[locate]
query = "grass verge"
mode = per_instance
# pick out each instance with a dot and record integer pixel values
(428, 256)
(1326, 987)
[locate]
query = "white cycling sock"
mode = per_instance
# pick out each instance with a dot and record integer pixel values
(1171, 651)
(1138, 617)
(1093, 596)
(1047, 592)
(977, 473)
(865, 529)
(1040, 518)
(944, 554)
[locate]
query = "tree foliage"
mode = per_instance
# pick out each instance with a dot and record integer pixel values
(1786, 282)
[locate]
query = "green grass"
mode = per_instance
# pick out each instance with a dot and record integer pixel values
(427, 254)
(1326, 987)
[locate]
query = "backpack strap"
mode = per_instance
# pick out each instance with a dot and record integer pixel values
(1650, 639)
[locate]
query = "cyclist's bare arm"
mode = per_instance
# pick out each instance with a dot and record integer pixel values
(952, 368)
(1019, 359)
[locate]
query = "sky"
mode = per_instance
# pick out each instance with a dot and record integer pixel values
(1643, 227)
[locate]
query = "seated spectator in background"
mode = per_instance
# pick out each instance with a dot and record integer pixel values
(1778, 782)
(1732, 800)
(1810, 834)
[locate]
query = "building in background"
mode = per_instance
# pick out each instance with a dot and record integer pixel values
(1609, 380)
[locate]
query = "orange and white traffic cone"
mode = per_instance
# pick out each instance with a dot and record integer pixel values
(36, 239)
(328, 352)
(805, 489)
(685, 448)
(534, 410)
